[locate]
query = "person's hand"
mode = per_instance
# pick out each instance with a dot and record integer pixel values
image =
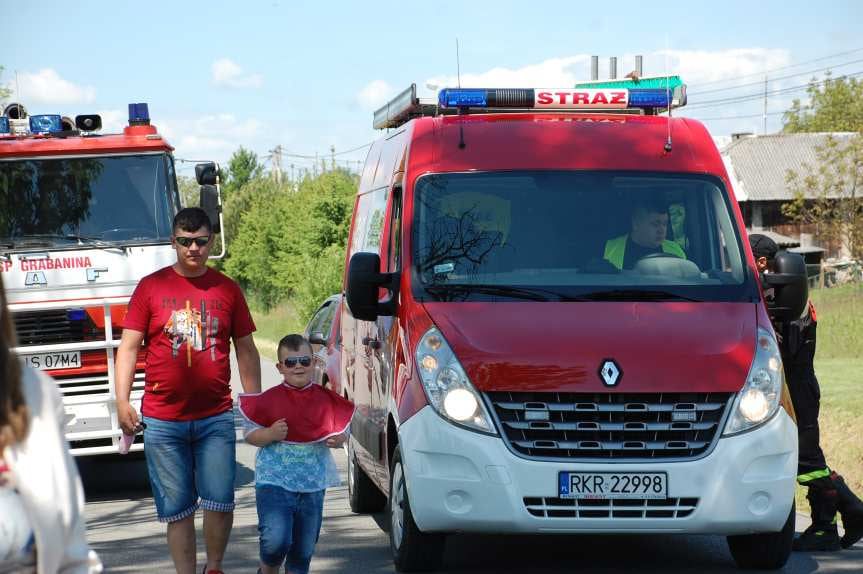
(278, 430)
(128, 417)
(337, 441)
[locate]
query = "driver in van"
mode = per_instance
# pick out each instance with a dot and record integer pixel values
(649, 227)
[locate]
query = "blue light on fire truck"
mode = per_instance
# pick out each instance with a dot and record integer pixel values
(139, 114)
(463, 98)
(76, 314)
(4, 125)
(647, 98)
(45, 123)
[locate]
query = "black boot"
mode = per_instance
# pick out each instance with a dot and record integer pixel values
(822, 535)
(851, 509)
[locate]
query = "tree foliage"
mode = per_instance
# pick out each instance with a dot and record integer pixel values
(291, 244)
(4, 91)
(827, 195)
(835, 105)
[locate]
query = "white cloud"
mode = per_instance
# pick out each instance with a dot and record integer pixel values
(700, 66)
(47, 87)
(555, 72)
(375, 94)
(113, 121)
(228, 74)
(212, 137)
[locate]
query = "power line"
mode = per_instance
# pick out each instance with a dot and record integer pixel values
(758, 83)
(770, 71)
(759, 95)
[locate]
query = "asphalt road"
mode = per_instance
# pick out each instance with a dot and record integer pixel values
(122, 528)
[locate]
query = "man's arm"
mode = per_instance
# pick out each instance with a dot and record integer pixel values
(249, 364)
(124, 374)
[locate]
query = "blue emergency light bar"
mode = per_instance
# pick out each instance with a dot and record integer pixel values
(45, 124)
(562, 98)
(4, 125)
(139, 114)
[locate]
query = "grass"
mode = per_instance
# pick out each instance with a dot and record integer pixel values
(273, 324)
(839, 368)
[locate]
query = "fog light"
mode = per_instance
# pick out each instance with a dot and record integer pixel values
(460, 404)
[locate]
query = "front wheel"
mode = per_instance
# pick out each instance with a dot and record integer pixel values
(765, 551)
(413, 550)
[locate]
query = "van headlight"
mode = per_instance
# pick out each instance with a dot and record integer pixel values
(760, 397)
(446, 384)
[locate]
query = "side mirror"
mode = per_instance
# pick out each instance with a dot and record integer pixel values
(209, 202)
(364, 280)
(205, 173)
(790, 287)
(317, 339)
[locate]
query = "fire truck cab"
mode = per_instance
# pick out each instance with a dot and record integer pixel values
(554, 324)
(83, 217)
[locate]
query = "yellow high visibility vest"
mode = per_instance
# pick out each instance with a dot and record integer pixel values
(615, 250)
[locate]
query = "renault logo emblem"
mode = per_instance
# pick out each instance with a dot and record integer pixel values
(610, 373)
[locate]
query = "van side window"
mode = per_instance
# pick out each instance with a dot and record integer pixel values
(369, 223)
(395, 248)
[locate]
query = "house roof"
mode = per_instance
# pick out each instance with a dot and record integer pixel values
(783, 241)
(759, 165)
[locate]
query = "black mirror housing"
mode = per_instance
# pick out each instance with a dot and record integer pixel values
(364, 280)
(206, 173)
(209, 202)
(790, 286)
(317, 338)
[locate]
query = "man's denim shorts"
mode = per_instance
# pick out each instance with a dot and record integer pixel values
(289, 524)
(188, 460)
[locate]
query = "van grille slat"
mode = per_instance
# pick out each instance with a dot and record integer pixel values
(611, 509)
(46, 327)
(568, 426)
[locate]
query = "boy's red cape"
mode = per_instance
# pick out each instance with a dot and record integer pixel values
(312, 413)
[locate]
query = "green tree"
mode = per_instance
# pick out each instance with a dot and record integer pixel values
(190, 191)
(835, 105)
(242, 168)
(4, 91)
(827, 195)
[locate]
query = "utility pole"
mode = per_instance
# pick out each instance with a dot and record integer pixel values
(315, 167)
(293, 181)
(277, 163)
(332, 157)
(765, 104)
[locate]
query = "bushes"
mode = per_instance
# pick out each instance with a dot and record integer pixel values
(290, 245)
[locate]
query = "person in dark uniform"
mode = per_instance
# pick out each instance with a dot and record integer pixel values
(827, 491)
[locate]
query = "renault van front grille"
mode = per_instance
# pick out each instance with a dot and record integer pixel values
(567, 426)
(625, 508)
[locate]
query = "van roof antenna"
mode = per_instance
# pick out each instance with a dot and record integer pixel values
(461, 144)
(667, 146)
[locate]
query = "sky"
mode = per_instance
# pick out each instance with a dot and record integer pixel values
(307, 76)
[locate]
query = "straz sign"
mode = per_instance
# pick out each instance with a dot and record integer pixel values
(581, 98)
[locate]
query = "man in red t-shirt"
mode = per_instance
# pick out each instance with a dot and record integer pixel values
(186, 316)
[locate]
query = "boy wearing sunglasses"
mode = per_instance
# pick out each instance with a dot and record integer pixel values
(295, 424)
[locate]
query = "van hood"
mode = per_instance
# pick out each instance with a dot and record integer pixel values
(551, 346)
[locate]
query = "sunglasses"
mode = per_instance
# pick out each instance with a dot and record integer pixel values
(201, 241)
(303, 360)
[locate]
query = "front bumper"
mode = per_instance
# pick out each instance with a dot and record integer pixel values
(462, 481)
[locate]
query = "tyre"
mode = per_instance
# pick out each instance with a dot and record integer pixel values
(364, 496)
(413, 550)
(764, 551)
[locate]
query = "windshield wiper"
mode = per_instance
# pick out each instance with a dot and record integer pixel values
(43, 238)
(446, 290)
(635, 295)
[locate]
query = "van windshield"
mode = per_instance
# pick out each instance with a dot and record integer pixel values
(560, 236)
(64, 202)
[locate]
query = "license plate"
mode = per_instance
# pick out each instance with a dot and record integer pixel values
(608, 485)
(54, 361)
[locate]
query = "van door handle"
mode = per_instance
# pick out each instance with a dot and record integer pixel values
(371, 343)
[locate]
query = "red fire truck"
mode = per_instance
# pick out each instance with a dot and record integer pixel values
(83, 217)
